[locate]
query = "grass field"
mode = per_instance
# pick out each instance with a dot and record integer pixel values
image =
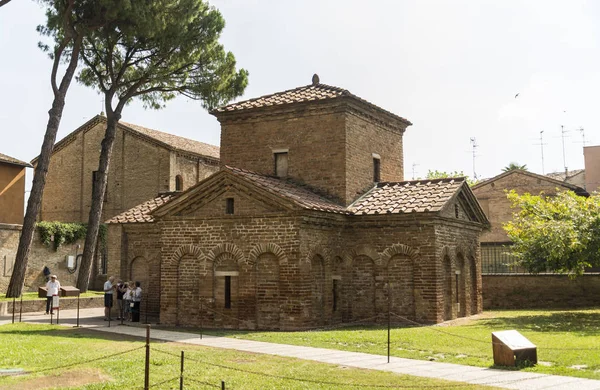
(568, 341)
(70, 358)
(30, 296)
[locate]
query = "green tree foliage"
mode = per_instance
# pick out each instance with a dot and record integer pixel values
(513, 166)
(444, 175)
(558, 234)
(154, 51)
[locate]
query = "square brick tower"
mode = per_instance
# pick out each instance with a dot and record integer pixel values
(317, 135)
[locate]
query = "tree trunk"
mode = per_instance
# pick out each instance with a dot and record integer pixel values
(34, 203)
(91, 238)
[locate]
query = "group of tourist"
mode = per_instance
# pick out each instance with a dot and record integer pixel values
(129, 298)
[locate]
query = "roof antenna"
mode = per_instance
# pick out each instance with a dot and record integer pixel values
(474, 146)
(315, 79)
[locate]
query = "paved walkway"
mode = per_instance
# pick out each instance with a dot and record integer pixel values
(93, 319)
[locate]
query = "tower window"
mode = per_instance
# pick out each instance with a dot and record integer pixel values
(229, 206)
(178, 183)
(281, 164)
(376, 170)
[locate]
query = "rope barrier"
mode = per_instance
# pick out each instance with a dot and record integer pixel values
(163, 382)
(202, 382)
(483, 341)
(86, 361)
(313, 381)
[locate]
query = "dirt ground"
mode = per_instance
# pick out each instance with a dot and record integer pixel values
(66, 379)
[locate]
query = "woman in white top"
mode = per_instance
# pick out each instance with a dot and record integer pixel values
(52, 288)
(136, 297)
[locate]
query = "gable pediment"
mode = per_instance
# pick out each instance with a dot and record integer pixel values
(464, 206)
(209, 199)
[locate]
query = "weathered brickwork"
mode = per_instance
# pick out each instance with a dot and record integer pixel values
(141, 168)
(540, 291)
(330, 147)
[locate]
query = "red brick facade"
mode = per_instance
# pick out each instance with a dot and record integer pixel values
(324, 245)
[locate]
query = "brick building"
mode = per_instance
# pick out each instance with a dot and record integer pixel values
(12, 190)
(308, 223)
(592, 168)
(144, 163)
(491, 195)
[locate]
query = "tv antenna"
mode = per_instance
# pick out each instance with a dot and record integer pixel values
(542, 149)
(582, 131)
(562, 133)
(474, 146)
(413, 170)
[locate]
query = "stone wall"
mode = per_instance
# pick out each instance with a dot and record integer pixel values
(30, 306)
(540, 291)
(40, 256)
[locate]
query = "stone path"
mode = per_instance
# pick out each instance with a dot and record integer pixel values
(93, 319)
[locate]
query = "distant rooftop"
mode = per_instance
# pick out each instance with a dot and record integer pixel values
(11, 160)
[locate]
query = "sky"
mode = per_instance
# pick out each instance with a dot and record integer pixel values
(453, 68)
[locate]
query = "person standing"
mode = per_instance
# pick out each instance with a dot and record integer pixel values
(108, 297)
(120, 304)
(52, 288)
(136, 297)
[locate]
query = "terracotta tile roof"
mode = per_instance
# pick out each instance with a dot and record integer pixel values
(142, 212)
(174, 141)
(416, 196)
(300, 195)
(11, 160)
(307, 93)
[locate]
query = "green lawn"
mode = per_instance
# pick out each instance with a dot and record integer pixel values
(568, 341)
(30, 296)
(84, 359)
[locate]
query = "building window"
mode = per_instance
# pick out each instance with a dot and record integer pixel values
(281, 164)
(335, 294)
(178, 183)
(376, 170)
(95, 177)
(456, 211)
(229, 204)
(227, 292)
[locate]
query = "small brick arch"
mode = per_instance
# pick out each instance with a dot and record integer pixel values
(227, 247)
(321, 251)
(447, 253)
(185, 250)
(367, 251)
(259, 249)
(398, 249)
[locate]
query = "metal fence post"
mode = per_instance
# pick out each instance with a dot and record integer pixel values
(147, 366)
(21, 308)
(181, 373)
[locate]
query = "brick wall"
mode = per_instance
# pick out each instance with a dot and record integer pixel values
(139, 170)
(316, 144)
(330, 147)
(364, 137)
(540, 291)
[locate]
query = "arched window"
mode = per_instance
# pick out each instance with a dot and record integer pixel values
(178, 183)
